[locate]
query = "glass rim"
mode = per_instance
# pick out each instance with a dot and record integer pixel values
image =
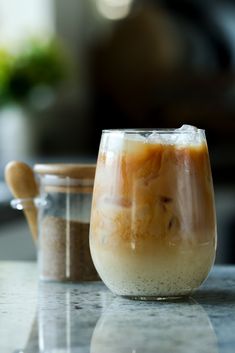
(151, 130)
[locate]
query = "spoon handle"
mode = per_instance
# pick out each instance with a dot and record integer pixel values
(22, 184)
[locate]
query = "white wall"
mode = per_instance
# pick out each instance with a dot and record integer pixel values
(23, 18)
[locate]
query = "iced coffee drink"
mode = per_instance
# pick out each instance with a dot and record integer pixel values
(153, 226)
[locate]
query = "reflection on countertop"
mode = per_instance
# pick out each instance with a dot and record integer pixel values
(181, 326)
(86, 317)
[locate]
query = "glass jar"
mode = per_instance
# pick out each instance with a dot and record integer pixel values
(63, 221)
(153, 223)
(57, 208)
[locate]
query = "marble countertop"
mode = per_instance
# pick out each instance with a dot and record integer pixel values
(67, 318)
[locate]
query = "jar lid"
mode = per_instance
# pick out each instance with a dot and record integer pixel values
(74, 171)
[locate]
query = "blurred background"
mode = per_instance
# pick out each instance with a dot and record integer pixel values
(70, 68)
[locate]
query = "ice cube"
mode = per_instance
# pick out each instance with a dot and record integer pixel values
(169, 138)
(183, 136)
(163, 137)
(112, 142)
(120, 141)
(134, 143)
(155, 137)
(187, 128)
(135, 137)
(189, 135)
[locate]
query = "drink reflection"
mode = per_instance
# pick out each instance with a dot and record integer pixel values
(136, 327)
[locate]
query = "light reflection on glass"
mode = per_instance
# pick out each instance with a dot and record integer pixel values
(114, 9)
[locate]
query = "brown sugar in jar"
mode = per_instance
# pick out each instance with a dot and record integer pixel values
(64, 219)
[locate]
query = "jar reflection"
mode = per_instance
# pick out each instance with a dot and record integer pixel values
(133, 327)
(66, 317)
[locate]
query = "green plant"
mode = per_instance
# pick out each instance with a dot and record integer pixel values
(35, 64)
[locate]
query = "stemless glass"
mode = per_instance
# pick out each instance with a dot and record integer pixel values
(153, 223)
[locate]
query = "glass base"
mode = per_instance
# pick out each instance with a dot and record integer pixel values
(157, 298)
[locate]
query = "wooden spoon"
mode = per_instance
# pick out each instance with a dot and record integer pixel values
(20, 180)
